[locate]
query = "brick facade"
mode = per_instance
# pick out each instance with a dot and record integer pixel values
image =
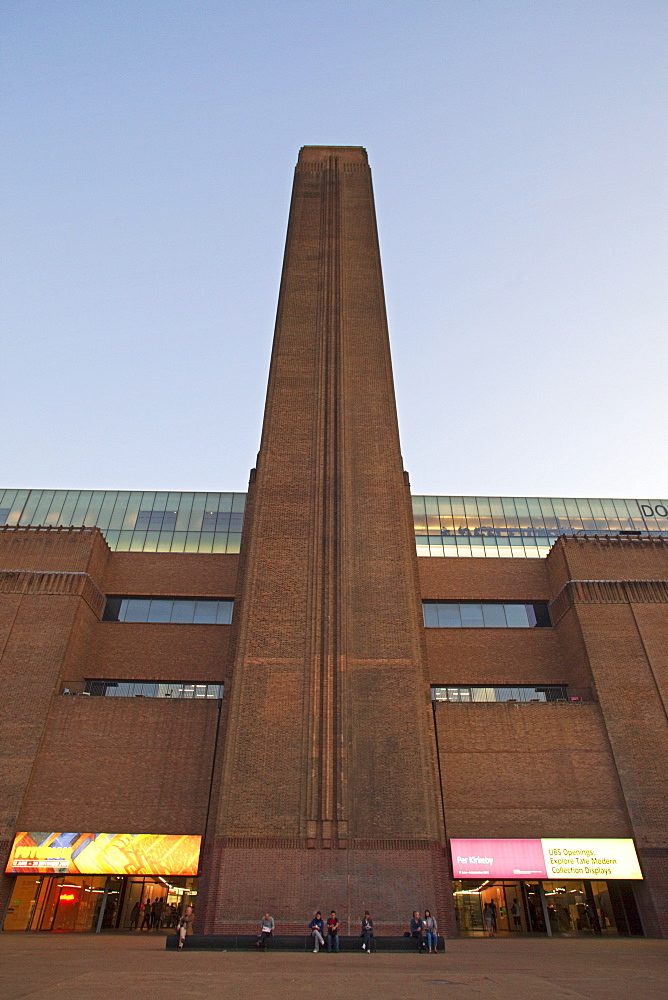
(326, 780)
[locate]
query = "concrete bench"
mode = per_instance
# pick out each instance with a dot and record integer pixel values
(284, 942)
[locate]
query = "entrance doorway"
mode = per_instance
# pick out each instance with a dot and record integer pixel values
(572, 908)
(67, 903)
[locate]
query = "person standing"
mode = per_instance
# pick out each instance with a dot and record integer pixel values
(266, 931)
(488, 919)
(333, 932)
(492, 907)
(515, 914)
(134, 917)
(185, 925)
(416, 929)
(317, 927)
(430, 932)
(145, 910)
(367, 932)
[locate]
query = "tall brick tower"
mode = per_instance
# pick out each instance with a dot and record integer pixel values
(324, 794)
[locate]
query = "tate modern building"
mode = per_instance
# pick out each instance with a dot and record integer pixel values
(328, 693)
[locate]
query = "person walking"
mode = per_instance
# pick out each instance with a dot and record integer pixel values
(185, 925)
(317, 927)
(333, 932)
(488, 919)
(416, 929)
(430, 928)
(266, 931)
(134, 917)
(367, 932)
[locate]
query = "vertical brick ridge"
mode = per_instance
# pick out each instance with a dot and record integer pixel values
(329, 735)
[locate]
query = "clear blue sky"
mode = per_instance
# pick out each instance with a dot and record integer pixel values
(520, 170)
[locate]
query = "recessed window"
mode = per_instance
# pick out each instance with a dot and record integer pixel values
(493, 614)
(169, 610)
(483, 693)
(152, 689)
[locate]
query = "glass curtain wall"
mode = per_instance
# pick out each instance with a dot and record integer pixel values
(135, 521)
(572, 908)
(524, 527)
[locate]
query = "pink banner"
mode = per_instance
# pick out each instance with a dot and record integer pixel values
(497, 859)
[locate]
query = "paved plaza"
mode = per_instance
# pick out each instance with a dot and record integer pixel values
(125, 967)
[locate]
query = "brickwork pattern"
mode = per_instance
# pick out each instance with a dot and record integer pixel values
(139, 765)
(329, 694)
(485, 580)
(293, 882)
(120, 765)
(616, 613)
(147, 651)
(528, 771)
(173, 574)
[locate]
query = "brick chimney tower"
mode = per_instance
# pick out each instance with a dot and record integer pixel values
(326, 789)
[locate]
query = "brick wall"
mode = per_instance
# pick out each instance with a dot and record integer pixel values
(528, 770)
(123, 765)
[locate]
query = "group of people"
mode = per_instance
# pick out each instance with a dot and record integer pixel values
(318, 928)
(153, 914)
(425, 931)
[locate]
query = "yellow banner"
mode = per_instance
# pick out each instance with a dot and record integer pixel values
(104, 854)
(584, 857)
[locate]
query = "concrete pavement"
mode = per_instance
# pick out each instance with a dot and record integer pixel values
(126, 967)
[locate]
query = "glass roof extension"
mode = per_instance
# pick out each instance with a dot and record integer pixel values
(525, 527)
(517, 527)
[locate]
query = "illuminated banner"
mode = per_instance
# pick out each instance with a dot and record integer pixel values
(551, 857)
(104, 854)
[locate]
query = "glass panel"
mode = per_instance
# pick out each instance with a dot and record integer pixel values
(239, 502)
(205, 612)
(135, 610)
(124, 689)
(233, 541)
(430, 615)
(224, 613)
(104, 515)
(219, 542)
(151, 541)
(168, 690)
(471, 615)
(183, 611)
(493, 616)
(516, 615)
(449, 615)
(178, 541)
(161, 610)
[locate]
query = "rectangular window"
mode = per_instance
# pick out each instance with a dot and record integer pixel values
(492, 614)
(484, 693)
(173, 610)
(151, 689)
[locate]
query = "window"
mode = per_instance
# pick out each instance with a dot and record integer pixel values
(482, 693)
(152, 689)
(4, 514)
(169, 610)
(470, 614)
